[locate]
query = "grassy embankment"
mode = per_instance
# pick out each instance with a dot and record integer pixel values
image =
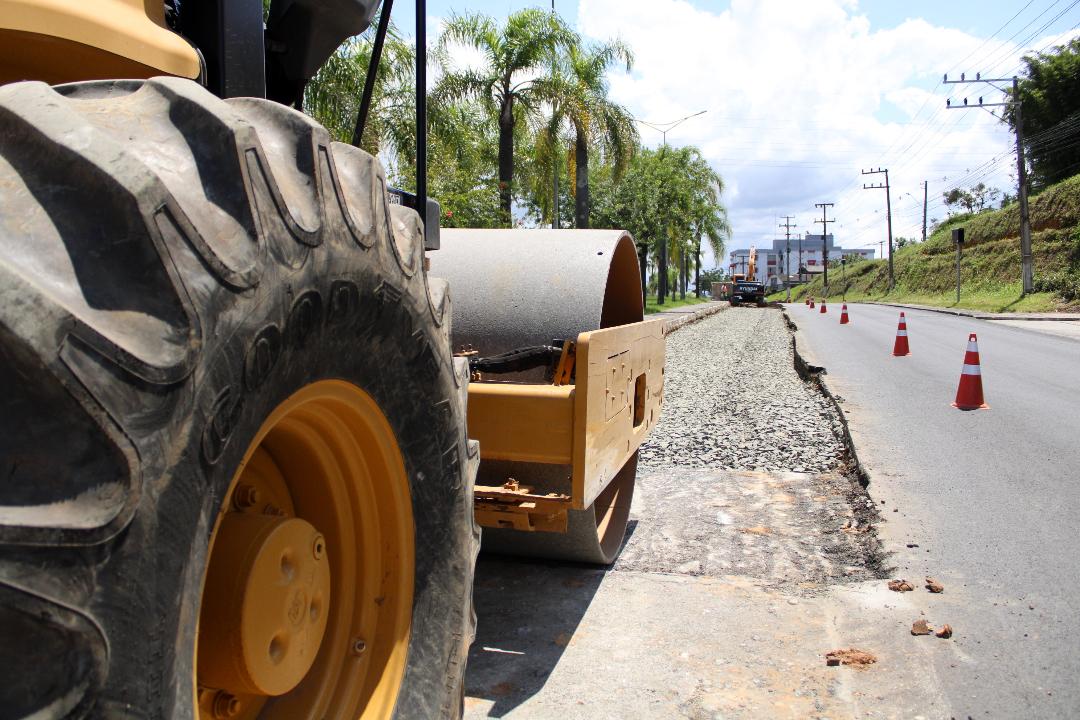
(651, 306)
(990, 268)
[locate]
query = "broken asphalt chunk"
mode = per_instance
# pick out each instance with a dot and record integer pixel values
(849, 656)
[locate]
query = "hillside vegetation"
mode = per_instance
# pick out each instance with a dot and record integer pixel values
(990, 269)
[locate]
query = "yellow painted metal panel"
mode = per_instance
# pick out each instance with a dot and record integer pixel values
(130, 29)
(527, 423)
(620, 387)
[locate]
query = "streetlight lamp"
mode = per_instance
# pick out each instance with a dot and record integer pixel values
(665, 127)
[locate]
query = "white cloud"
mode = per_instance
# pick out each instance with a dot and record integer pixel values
(801, 96)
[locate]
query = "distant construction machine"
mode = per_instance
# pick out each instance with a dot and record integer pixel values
(743, 288)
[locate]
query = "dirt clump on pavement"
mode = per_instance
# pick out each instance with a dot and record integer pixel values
(934, 586)
(921, 627)
(901, 586)
(850, 656)
(945, 631)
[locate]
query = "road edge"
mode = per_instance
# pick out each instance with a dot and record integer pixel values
(682, 319)
(977, 315)
(814, 374)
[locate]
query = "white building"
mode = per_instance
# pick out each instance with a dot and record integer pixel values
(785, 258)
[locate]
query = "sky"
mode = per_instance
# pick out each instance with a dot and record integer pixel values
(801, 96)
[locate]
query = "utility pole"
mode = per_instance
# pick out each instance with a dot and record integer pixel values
(1021, 167)
(925, 185)
(787, 245)
(888, 210)
(825, 241)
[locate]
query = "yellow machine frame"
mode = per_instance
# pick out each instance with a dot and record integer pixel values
(594, 426)
(66, 40)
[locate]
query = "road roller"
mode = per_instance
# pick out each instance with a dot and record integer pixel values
(566, 383)
(254, 406)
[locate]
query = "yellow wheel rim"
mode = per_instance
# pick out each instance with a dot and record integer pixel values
(307, 598)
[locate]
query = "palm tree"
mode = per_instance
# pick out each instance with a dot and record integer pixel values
(595, 120)
(512, 81)
(708, 217)
(333, 96)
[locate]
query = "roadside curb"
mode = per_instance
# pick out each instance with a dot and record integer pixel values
(671, 324)
(816, 374)
(1059, 317)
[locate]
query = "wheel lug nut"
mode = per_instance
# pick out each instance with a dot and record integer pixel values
(359, 646)
(318, 547)
(225, 705)
(245, 496)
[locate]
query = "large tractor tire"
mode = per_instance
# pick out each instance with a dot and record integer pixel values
(234, 477)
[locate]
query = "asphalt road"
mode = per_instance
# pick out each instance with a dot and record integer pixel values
(986, 501)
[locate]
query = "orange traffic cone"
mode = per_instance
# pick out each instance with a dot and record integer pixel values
(969, 395)
(811, 303)
(807, 302)
(900, 347)
(822, 306)
(843, 314)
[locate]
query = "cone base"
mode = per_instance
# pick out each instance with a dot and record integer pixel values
(901, 354)
(984, 406)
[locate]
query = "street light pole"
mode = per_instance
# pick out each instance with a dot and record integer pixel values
(800, 267)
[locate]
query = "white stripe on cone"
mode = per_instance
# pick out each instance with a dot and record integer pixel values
(973, 346)
(971, 370)
(901, 333)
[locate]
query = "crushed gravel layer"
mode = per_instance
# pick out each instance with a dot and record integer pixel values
(733, 401)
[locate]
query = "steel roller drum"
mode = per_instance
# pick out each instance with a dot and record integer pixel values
(517, 288)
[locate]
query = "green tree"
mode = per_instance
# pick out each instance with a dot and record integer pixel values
(580, 98)
(461, 162)
(706, 279)
(513, 81)
(461, 137)
(333, 96)
(1050, 111)
(708, 216)
(975, 200)
(670, 200)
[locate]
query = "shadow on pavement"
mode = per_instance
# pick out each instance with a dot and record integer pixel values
(527, 613)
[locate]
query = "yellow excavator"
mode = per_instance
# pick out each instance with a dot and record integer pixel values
(743, 288)
(235, 475)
